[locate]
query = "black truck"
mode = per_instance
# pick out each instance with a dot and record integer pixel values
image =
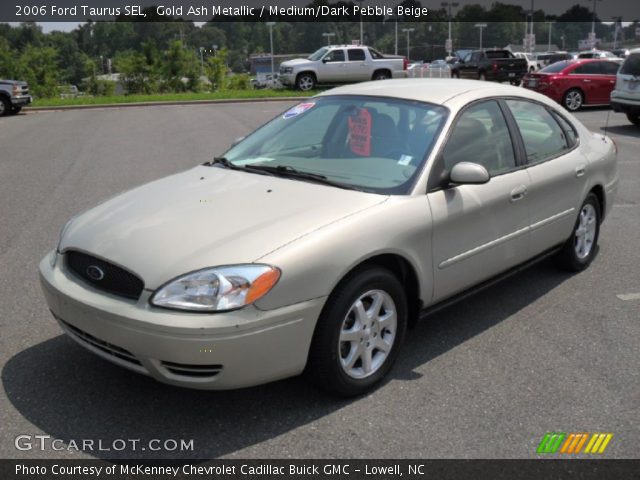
(496, 65)
(14, 95)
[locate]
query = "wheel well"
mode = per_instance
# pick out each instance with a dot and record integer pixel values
(404, 271)
(598, 191)
(307, 73)
(385, 70)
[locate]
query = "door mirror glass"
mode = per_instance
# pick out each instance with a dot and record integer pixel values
(468, 173)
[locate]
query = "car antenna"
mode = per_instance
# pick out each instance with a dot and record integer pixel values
(606, 125)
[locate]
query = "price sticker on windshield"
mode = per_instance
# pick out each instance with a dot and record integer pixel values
(360, 132)
(297, 110)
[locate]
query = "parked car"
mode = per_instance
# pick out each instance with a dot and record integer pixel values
(621, 52)
(498, 65)
(596, 54)
(14, 95)
(531, 59)
(626, 95)
(549, 58)
(337, 64)
(316, 240)
(575, 83)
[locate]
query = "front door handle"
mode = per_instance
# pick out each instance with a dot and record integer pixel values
(580, 171)
(586, 81)
(518, 193)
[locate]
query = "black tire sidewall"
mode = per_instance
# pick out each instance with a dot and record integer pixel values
(324, 357)
(7, 106)
(303, 75)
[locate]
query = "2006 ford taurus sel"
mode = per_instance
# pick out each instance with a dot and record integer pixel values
(315, 240)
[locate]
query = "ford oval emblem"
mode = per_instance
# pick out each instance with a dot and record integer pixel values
(95, 273)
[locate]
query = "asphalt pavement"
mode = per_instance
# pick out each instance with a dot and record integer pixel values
(486, 378)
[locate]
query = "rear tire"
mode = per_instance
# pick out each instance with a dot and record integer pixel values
(455, 74)
(359, 333)
(381, 75)
(634, 118)
(573, 100)
(582, 246)
(482, 76)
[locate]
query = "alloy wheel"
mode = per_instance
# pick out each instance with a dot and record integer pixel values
(367, 334)
(585, 234)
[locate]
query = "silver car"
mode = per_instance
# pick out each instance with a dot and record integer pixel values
(313, 243)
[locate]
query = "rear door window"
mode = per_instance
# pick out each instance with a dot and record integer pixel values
(356, 55)
(542, 135)
(591, 68)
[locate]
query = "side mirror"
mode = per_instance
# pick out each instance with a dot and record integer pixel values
(236, 141)
(468, 173)
(461, 61)
(325, 60)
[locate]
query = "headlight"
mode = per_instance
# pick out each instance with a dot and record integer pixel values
(217, 289)
(286, 70)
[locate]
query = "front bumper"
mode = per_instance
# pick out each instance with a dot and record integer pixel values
(207, 351)
(21, 100)
(287, 79)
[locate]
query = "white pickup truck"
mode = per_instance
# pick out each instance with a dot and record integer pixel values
(335, 64)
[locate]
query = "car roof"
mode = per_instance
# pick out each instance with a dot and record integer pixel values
(453, 93)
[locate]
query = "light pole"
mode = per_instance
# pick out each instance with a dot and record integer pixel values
(617, 25)
(480, 26)
(271, 25)
(449, 41)
(328, 35)
(361, 30)
(408, 32)
(593, 22)
(550, 23)
(201, 60)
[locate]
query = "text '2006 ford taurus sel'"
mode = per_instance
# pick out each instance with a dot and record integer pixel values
(314, 241)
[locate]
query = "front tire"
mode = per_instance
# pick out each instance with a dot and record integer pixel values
(5, 106)
(582, 246)
(15, 110)
(482, 76)
(305, 82)
(634, 118)
(573, 100)
(359, 333)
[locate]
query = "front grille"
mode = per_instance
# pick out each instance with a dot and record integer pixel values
(101, 345)
(187, 370)
(104, 275)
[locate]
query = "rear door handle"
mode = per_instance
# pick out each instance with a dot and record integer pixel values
(518, 193)
(580, 171)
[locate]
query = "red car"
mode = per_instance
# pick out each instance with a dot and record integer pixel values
(574, 83)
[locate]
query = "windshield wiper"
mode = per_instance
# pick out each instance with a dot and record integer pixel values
(223, 162)
(291, 172)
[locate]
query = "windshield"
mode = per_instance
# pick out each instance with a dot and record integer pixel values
(318, 54)
(366, 143)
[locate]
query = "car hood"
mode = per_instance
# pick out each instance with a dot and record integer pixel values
(206, 216)
(296, 62)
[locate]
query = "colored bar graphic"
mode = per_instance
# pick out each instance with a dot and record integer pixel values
(573, 443)
(551, 442)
